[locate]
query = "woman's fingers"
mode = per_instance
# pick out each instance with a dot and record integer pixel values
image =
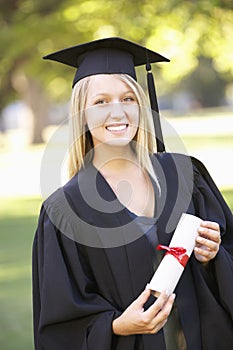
(210, 245)
(208, 241)
(153, 310)
(142, 299)
(134, 320)
(210, 230)
(161, 308)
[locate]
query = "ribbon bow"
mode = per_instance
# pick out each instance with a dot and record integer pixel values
(178, 252)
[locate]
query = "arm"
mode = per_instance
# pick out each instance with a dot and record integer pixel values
(214, 280)
(68, 313)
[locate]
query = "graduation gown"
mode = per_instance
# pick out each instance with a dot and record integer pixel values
(91, 260)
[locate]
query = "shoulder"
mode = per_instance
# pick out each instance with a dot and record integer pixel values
(189, 165)
(184, 167)
(74, 198)
(167, 159)
(60, 211)
(57, 197)
(174, 169)
(70, 191)
(58, 205)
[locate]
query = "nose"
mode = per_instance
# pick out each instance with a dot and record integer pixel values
(117, 110)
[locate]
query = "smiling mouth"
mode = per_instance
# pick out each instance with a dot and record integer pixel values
(117, 128)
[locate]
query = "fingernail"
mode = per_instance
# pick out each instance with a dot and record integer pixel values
(173, 296)
(167, 292)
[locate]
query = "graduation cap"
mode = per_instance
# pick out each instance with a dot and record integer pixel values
(114, 56)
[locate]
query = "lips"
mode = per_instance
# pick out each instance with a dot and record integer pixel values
(117, 127)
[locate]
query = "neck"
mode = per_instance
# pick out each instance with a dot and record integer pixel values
(113, 158)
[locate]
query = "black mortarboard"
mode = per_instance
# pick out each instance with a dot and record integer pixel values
(111, 56)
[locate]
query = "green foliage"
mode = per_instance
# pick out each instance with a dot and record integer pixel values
(181, 30)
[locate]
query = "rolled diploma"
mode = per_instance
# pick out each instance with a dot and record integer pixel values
(170, 269)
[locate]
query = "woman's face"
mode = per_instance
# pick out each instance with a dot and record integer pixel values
(112, 111)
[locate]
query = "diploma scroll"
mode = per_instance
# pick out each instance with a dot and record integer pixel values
(180, 248)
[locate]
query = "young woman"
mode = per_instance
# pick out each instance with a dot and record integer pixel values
(94, 249)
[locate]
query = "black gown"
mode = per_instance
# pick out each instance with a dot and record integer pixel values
(91, 260)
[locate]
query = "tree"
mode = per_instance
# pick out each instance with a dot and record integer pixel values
(184, 31)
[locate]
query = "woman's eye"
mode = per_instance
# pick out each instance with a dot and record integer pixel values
(128, 99)
(100, 102)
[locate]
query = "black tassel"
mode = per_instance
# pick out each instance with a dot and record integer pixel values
(155, 110)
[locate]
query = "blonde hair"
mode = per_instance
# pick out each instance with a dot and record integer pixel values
(81, 140)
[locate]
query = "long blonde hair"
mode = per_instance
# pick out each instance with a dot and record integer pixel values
(81, 140)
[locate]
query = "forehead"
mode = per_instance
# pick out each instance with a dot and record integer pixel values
(107, 82)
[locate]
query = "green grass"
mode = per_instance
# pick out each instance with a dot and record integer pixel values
(228, 195)
(18, 219)
(192, 143)
(204, 142)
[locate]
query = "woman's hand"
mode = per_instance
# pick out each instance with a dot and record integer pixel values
(134, 320)
(207, 241)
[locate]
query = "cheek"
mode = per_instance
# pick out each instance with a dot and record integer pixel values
(94, 118)
(133, 114)
(137, 119)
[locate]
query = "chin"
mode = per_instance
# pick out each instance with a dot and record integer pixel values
(120, 142)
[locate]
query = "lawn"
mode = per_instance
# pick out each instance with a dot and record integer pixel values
(228, 195)
(18, 219)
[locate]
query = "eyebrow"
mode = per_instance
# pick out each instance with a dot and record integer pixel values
(100, 94)
(107, 93)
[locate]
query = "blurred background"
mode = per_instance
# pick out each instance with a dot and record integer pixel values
(195, 92)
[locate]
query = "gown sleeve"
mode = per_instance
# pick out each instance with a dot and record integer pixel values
(68, 312)
(218, 276)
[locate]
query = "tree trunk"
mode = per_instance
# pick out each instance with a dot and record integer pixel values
(33, 95)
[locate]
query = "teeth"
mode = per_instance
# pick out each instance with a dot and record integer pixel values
(116, 127)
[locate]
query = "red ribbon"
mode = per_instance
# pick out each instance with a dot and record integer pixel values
(178, 252)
